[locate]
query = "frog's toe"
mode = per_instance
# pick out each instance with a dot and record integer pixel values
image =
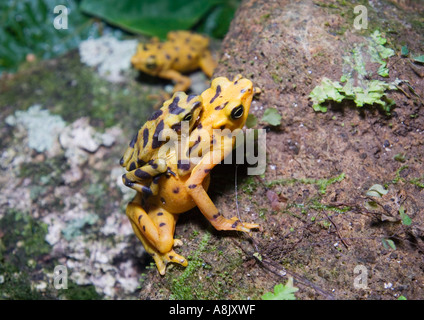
(172, 256)
(243, 226)
(159, 263)
(177, 243)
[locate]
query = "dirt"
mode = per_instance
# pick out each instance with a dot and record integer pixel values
(331, 242)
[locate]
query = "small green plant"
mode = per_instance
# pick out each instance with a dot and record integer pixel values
(372, 92)
(406, 220)
(272, 117)
(282, 292)
(251, 121)
(357, 86)
(321, 183)
(377, 190)
(387, 243)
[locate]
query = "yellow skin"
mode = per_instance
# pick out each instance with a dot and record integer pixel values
(225, 106)
(183, 52)
(139, 158)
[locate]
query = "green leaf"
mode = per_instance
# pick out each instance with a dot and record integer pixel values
(251, 120)
(406, 220)
(388, 243)
(402, 298)
(26, 26)
(377, 190)
(383, 71)
(327, 90)
(419, 59)
(404, 51)
(272, 117)
(282, 292)
(154, 18)
(217, 21)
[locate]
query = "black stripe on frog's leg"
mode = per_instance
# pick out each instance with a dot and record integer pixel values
(133, 166)
(133, 141)
(217, 93)
(153, 164)
(155, 115)
(156, 179)
(174, 108)
(215, 216)
(142, 174)
(145, 137)
(155, 139)
(146, 191)
(121, 161)
(126, 181)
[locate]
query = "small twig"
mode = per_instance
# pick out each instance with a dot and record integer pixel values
(337, 231)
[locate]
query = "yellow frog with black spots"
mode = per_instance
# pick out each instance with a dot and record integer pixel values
(225, 106)
(139, 158)
(183, 52)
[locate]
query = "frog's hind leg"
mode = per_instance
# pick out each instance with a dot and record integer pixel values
(156, 230)
(161, 259)
(207, 64)
(157, 226)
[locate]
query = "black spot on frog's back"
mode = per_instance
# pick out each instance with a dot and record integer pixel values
(174, 108)
(145, 137)
(155, 115)
(217, 93)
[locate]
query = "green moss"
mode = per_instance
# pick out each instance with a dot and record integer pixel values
(45, 173)
(185, 287)
(321, 183)
(77, 292)
(21, 227)
(16, 284)
(22, 243)
(72, 90)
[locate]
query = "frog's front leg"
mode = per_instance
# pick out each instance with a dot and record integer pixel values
(182, 83)
(207, 63)
(138, 178)
(203, 201)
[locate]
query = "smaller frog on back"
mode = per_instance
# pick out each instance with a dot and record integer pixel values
(139, 158)
(183, 52)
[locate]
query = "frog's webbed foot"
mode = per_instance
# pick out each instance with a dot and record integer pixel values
(162, 260)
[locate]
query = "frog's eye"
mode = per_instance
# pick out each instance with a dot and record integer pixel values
(237, 112)
(188, 117)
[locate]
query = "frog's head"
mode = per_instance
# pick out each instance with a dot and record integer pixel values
(227, 103)
(180, 108)
(147, 59)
